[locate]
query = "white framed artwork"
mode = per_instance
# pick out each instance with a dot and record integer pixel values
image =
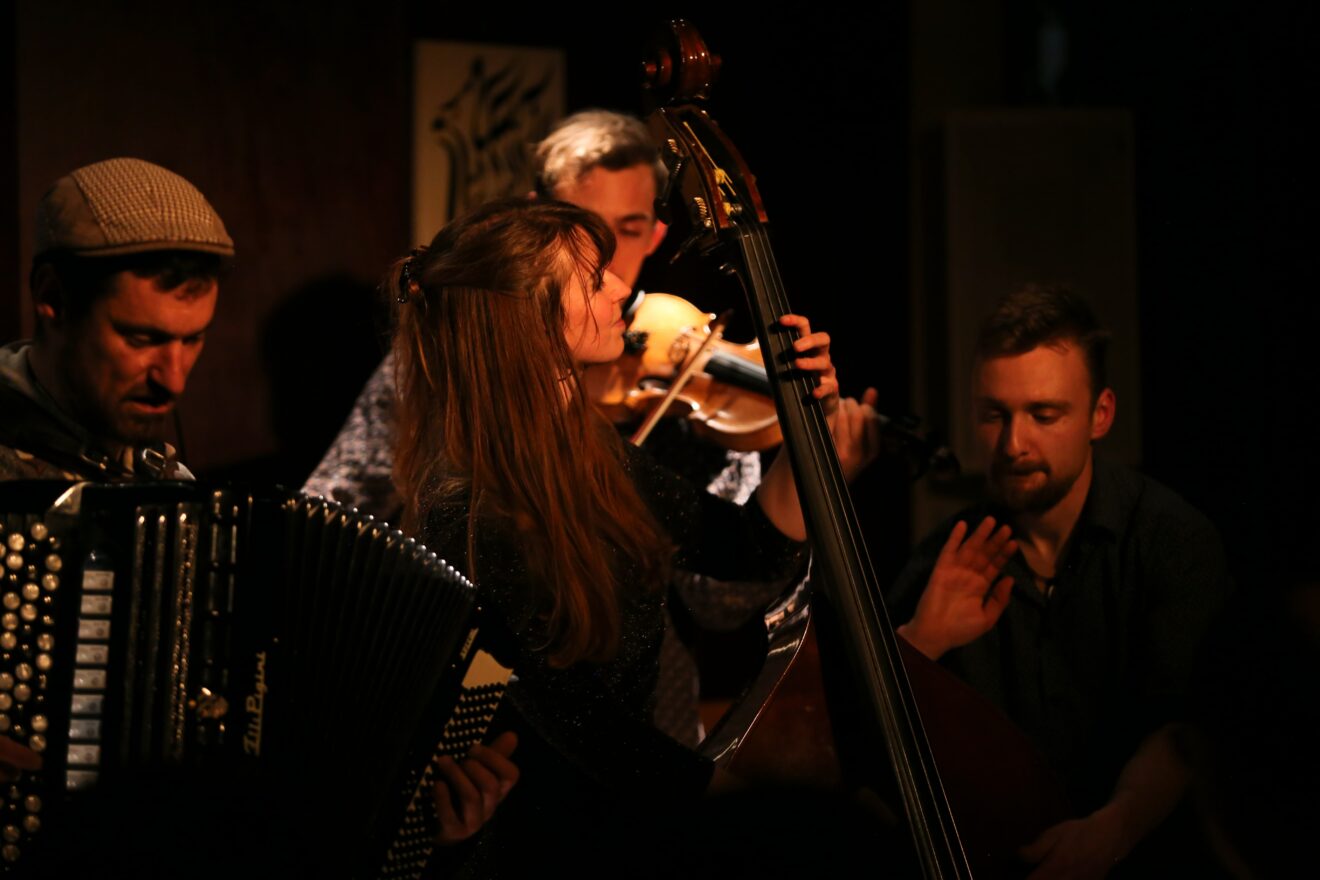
(477, 110)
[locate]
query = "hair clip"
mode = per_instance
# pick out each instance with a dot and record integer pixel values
(407, 286)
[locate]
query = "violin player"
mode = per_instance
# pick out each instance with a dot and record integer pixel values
(1076, 597)
(509, 470)
(607, 163)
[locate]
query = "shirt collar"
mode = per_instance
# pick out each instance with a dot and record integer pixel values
(1107, 505)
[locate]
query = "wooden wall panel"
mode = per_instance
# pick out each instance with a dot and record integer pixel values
(1025, 196)
(293, 121)
(1041, 196)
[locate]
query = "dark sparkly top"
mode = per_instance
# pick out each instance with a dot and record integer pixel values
(596, 716)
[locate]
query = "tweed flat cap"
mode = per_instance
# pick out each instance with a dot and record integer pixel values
(127, 206)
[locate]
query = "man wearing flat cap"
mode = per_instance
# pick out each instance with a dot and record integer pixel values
(124, 280)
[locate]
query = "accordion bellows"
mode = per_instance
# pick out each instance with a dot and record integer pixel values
(296, 651)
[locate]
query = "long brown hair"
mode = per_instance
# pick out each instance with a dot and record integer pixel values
(492, 413)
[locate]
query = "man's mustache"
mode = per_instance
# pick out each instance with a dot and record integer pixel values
(1010, 469)
(152, 395)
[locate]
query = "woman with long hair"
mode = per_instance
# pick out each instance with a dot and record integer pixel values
(509, 472)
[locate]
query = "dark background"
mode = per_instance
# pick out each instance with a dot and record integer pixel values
(296, 122)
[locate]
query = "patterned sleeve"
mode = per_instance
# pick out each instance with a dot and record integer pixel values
(715, 537)
(357, 470)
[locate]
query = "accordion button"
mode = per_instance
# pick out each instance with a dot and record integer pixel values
(6, 681)
(87, 704)
(31, 824)
(43, 662)
(93, 629)
(98, 580)
(8, 640)
(16, 541)
(38, 531)
(81, 729)
(84, 755)
(96, 605)
(9, 853)
(12, 834)
(31, 591)
(23, 671)
(32, 803)
(28, 612)
(12, 601)
(39, 723)
(45, 642)
(89, 679)
(22, 692)
(14, 561)
(92, 655)
(79, 780)
(50, 581)
(53, 562)
(37, 742)
(6, 701)
(9, 621)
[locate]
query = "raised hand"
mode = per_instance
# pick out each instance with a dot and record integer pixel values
(855, 427)
(963, 601)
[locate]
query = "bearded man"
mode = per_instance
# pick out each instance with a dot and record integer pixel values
(1074, 599)
(128, 261)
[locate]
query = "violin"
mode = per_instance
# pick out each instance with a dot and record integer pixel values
(726, 396)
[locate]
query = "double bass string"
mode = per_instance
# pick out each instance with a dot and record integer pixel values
(899, 723)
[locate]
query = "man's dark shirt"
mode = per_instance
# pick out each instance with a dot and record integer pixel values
(1103, 660)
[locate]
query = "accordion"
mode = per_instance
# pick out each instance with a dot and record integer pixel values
(287, 650)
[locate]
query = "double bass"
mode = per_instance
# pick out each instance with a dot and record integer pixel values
(953, 785)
